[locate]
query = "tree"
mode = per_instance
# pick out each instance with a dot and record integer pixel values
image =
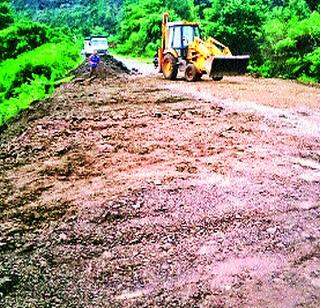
(140, 24)
(6, 16)
(313, 4)
(297, 8)
(237, 23)
(200, 6)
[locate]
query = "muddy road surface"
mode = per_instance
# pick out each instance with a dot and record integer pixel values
(132, 191)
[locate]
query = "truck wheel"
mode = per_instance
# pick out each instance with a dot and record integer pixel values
(217, 78)
(191, 73)
(170, 67)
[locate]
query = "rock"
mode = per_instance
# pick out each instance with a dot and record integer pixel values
(157, 182)
(176, 115)
(117, 118)
(136, 206)
(227, 287)
(106, 148)
(37, 149)
(272, 230)
(107, 255)
(158, 114)
(277, 281)
(43, 263)
(28, 247)
(316, 282)
(280, 246)
(4, 280)
(166, 247)
(62, 150)
(135, 241)
(188, 115)
(305, 235)
(63, 237)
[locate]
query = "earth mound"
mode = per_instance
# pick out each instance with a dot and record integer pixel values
(108, 67)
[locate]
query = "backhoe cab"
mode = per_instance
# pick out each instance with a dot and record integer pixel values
(183, 50)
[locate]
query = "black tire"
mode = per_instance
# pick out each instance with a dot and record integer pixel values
(191, 73)
(217, 78)
(156, 60)
(170, 67)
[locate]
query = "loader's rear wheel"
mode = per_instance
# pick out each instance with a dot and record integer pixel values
(191, 73)
(170, 67)
(217, 78)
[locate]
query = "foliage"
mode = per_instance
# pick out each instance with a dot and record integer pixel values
(292, 48)
(295, 8)
(32, 75)
(140, 29)
(6, 16)
(76, 18)
(21, 37)
(236, 23)
(81, 17)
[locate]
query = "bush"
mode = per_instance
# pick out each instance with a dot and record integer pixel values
(140, 25)
(236, 24)
(6, 16)
(292, 48)
(25, 36)
(33, 74)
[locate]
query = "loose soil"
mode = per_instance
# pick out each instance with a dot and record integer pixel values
(132, 191)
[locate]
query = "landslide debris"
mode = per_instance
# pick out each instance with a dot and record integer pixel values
(109, 67)
(121, 193)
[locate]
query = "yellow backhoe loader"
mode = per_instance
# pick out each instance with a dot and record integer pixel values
(183, 50)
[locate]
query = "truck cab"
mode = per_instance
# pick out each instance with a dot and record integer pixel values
(95, 42)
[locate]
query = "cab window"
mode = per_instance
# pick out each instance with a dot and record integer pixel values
(175, 37)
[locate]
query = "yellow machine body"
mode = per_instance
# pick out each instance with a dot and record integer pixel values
(183, 49)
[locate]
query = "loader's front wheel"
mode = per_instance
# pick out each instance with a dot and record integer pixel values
(217, 78)
(170, 67)
(191, 73)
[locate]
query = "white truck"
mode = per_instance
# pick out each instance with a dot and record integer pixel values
(95, 42)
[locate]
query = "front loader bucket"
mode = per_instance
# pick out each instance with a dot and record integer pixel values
(227, 65)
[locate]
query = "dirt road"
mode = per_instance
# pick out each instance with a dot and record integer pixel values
(132, 191)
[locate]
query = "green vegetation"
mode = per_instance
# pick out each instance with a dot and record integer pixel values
(6, 16)
(32, 75)
(33, 57)
(291, 48)
(238, 24)
(21, 37)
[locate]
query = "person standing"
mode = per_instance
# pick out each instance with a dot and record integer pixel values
(94, 61)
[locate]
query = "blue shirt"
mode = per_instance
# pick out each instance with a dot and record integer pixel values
(94, 61)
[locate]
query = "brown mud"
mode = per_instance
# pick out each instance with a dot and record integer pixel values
(132, 191)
